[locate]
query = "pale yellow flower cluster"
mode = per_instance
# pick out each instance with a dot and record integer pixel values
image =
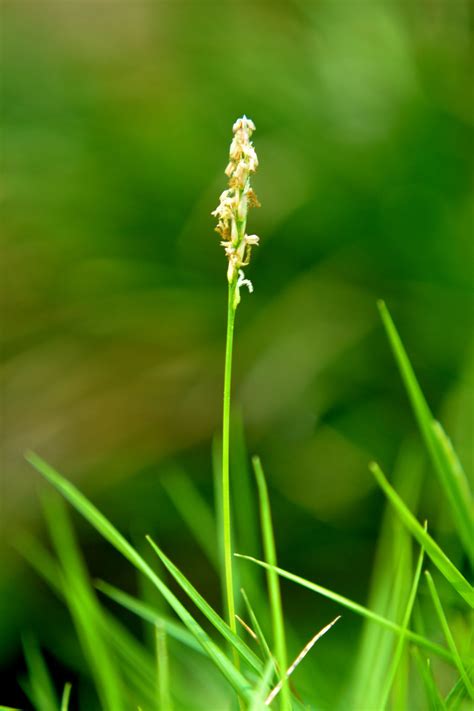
(235, 202)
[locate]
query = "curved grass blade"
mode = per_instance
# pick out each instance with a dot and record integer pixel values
(136, 663)
(439, 558)
(450, 474)
(397, 656)
(149, 614)
(448, 635)
(238, 644)
(273, 582)
(358, 609)
(112, 535)
(84, 607)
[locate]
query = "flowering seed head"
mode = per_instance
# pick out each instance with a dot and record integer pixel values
(235, 202)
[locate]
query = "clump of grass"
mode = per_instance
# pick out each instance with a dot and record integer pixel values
(126, 674)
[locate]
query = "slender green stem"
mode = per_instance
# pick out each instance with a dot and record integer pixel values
(226, 515)
(162, 668)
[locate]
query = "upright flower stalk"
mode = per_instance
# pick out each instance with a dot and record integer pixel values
(231, 214)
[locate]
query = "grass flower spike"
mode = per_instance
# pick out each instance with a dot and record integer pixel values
(231, 214)
(234, 204)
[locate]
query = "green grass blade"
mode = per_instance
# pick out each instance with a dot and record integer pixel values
(84, 607)
(194, 511)
(389, 590)
(41, 686)
(149, 614)
(8, 708)
(112, 535)
(136, 664)
(438, 557)
(450, 474)
(448, 635)
(238, 644)
(435, 700)
(358, 609)
(258, 631)
(66, 696)
(397, 656)
(276, 610)
(162, 669)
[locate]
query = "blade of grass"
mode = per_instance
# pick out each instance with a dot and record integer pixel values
(145, 590)
(397, 656)
(66, 696)
(435, 700)
(238, 644)
(149, 614)
(162, 670)
(451, 459)
(389, 589)
(450, 474)
(136, 663)
(357, 608)
(41, 685)
(273, 582)
(83, 606)
(111, 534)
(438, 557)
(258, 631)
(448, 635)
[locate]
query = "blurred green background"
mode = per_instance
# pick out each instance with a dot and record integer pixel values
(116, 122)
